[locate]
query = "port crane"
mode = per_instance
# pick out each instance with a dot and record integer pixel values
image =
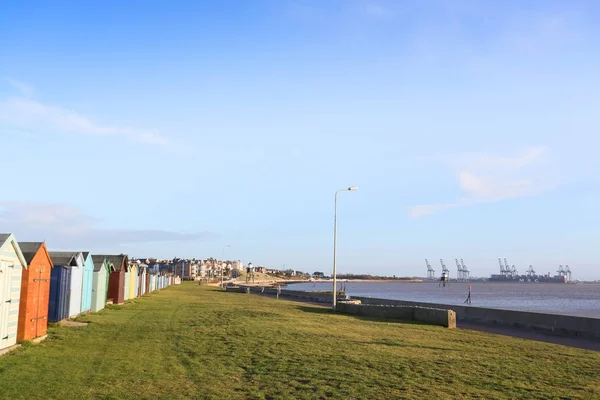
(568, 272)
(510, 271)
(530, 271)
(430, 270)
(459, 273)
(445, 270)
(503, 272)
(445, 274)
(466, 271)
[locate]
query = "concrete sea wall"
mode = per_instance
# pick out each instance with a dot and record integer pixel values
(313, 297)
(558, 324)
(435, 316)
(443, 317)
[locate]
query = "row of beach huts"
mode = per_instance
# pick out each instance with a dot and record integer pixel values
(38, 286)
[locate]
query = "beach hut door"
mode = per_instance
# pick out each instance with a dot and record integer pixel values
(5, 301)
(40, 320)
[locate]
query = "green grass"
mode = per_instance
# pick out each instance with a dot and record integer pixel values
(195, 342)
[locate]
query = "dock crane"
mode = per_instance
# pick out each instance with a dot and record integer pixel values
(445, 270)
(459, 274)
(568, 272)
(445, 274)
(430, 270)
(466, 271)
(502, 271)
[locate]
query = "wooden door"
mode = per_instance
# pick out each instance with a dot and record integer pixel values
(5, 301)
(42, 292)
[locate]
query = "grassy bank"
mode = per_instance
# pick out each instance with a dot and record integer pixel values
(193, 341)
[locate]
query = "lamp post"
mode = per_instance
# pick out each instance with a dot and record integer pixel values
(351, 188)
(223, 257)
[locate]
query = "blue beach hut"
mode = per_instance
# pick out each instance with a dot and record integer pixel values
(60, 288)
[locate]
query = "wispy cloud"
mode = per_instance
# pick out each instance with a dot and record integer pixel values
(24, 88)
(486, 178)
(65, 226)
(24, 112)
(377, 9)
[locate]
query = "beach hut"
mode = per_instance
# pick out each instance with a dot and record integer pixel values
(142, 273)
(88, 280)
(148, 276)
(127, 282)
(116, 282)
(35, 291)
(153, 282)
(60, 288)
(76, 284)
(12, 264)
(133, 280)
(102, 269)
(75, 261)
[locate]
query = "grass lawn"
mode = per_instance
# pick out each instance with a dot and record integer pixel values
(194, 342)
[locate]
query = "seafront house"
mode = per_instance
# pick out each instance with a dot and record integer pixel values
(12, 264)
(35, 291)
(73, 259)
(102, 270)
(116, 281)
(88, 278)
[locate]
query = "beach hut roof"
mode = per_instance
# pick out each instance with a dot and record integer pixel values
(30, 249)
(99, 261)
(4, 237)
(64, 258)
(117, 261)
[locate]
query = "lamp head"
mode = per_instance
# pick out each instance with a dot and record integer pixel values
(353, 188)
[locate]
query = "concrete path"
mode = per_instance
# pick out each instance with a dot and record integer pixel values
(532, 335)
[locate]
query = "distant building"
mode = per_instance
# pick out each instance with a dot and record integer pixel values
(186, 269)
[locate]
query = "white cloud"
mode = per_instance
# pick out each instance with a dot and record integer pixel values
(64, 226)
(25, 113)
(486, 178)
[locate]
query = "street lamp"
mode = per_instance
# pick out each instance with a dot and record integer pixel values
(351, 188)
(223, 257)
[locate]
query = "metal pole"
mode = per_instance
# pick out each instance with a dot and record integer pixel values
(223, 257)
(335, 251)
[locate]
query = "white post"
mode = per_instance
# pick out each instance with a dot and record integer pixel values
(335, 245)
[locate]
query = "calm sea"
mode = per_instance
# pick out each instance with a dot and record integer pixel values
(569, 299)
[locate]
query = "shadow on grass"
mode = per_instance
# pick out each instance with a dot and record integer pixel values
(398, 343)
(315, 309)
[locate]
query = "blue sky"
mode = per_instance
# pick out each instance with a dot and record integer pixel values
(174, 128)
